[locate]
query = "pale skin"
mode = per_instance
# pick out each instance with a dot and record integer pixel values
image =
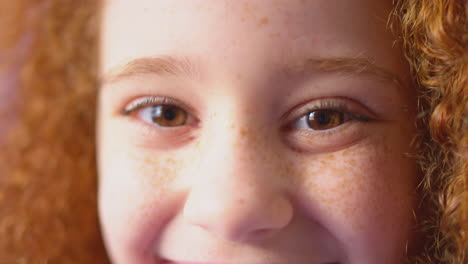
(239, 171)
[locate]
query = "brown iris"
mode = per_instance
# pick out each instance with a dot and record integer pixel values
(168, 115)
(325, 119)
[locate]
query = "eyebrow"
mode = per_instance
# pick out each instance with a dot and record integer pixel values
(163, 66)
(357, 65)
(185, 67)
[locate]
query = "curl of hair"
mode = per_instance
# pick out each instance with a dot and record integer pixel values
(435, 36)
(48, 208)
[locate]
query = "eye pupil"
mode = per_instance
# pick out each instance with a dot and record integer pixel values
(322, 117)
(168, 115)
(325, 119)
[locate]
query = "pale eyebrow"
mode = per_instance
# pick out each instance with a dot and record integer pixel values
(185, 67)
(358, 65)
(163, 66)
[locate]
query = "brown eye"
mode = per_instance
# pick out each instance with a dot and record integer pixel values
(325, 119)
(168, 115)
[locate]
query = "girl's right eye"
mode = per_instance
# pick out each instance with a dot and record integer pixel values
(164, 115)
(158, 111)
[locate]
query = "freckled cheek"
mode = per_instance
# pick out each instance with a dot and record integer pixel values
(367, 190)
(135, 191)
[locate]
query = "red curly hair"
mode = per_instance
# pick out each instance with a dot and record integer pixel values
(435, 35)
(48, 208)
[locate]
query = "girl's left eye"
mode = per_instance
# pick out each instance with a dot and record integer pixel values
(327, 115)
(322, 119)
(327, 125)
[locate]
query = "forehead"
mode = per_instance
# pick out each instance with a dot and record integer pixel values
(272, 31)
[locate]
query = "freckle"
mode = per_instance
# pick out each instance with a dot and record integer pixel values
(148, 160)
(345, 152)
(243, 132)
(311, 186)
(330, 158)
(247, 8)
(286, 20)
(170, 161)
(263, 21)
(238, 76)
(274, 35)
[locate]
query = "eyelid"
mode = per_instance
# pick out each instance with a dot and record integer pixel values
(345, 105)
(151, 100)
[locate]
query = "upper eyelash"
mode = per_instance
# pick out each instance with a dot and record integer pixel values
(147, 101)
(329, 105)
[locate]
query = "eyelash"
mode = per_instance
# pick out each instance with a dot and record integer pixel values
(333, 104)
(140, 103)
(298, 113)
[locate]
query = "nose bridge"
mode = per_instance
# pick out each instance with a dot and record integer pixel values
(236, 193)
(239, 149)
(236, 137)
(235, 155)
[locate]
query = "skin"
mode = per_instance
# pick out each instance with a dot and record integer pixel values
(241, 181)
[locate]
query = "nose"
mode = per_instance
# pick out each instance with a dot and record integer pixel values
(237, 194)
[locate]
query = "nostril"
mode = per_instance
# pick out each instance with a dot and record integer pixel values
(261, 233)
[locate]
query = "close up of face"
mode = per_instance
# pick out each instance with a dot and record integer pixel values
(255, 132)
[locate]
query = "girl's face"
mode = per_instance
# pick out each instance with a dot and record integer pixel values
(254, 132)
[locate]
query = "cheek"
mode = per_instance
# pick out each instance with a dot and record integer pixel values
(134, 196)
(364, 194)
